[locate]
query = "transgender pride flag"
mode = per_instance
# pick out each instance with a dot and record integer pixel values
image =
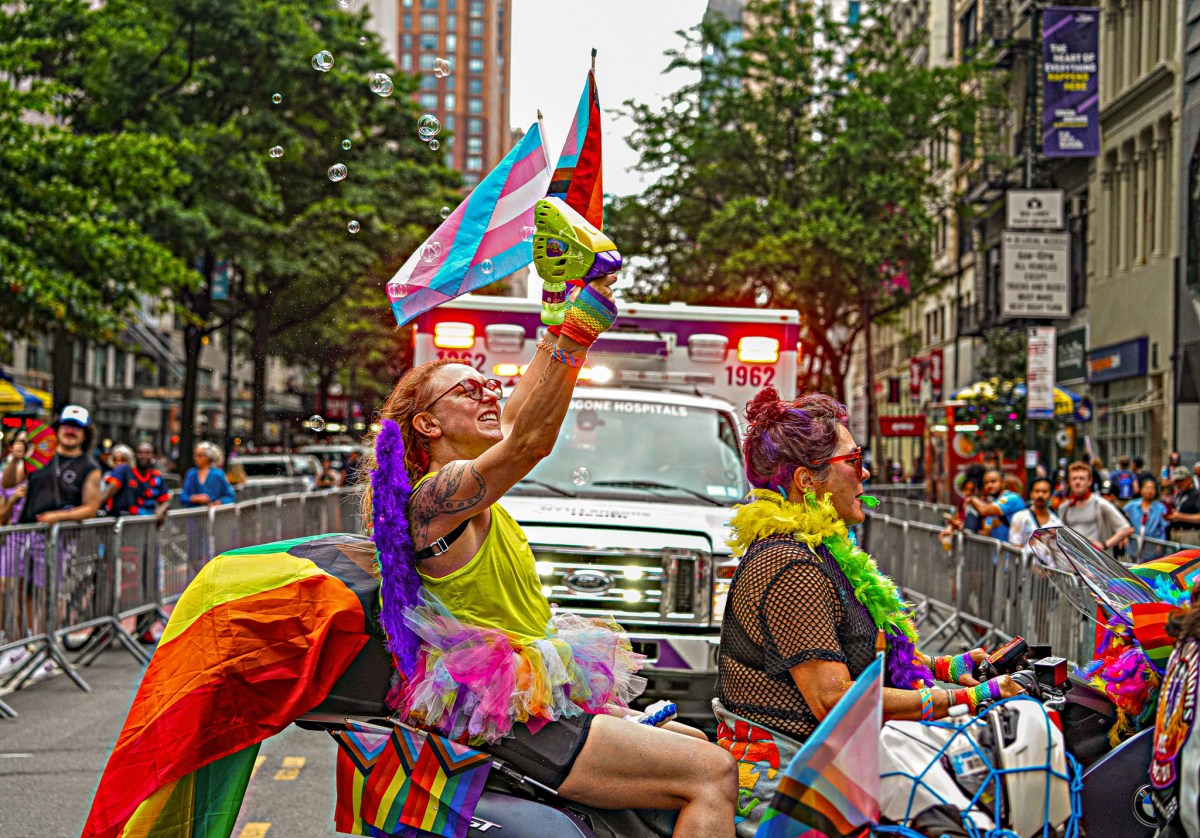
(831, 787)
(487, 226)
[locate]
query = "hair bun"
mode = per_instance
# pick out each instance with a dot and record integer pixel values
(765, 407)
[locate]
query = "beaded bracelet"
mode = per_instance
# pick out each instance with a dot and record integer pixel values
(926, 704)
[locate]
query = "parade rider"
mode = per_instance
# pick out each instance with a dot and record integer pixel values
(807, 609)
(494, 667)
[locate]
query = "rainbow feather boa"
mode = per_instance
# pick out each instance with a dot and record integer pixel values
(1122, 672)
(816, 523)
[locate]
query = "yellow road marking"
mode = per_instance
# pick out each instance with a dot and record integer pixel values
(291, 768)
(257, 763)
(255, 830)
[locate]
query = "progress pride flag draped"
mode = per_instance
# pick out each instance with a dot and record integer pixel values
(1070, 81)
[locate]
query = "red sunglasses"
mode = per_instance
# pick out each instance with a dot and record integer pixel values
(855, 456)
(474, 389)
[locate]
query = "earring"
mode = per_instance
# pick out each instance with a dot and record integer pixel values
(779, 488)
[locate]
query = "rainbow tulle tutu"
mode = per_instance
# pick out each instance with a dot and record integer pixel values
(472, 683)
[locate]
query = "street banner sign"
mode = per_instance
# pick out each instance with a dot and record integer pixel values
(1034, 209)
(1070, 81)
(936, 365)
(912, 425)
(1035, 275)
(1072, 346)
(1039, 374)
(915, 366)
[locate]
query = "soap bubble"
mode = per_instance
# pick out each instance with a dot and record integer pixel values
(431, 252)
(581, 476)
(434, 145)
(441, 68)
(337, 172)
(527, 233)
(362, 41)
(316, 423)
(353, 227)
(276, 151)
(428, 127)
(277, 98)
(397, 290)
(323, 61)
(487, 266)
(346, 145)
(381, 83)
(345, 4)
(444, 212)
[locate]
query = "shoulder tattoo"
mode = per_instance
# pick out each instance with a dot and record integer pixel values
(455, 488)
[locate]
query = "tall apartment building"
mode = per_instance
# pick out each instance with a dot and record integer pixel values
(472, 103)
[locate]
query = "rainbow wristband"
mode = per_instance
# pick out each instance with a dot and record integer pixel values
(941, 668)
(960, 665)
(926, 704)
(588, 315)
(974, 696)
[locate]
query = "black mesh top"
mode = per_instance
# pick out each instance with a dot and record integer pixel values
(787, 604)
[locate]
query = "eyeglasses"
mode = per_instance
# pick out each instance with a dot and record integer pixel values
(855, 457)
(474, 389)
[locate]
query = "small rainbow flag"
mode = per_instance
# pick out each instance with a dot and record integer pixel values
(579, 177)
(1181, 568)
(485, 239)
(831, 787)
(405, 782)
(257, 639)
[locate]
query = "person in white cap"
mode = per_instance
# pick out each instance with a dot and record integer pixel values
(68, 487)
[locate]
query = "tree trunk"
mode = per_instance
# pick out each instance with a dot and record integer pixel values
(193, 346)
(62, 357)
(258, 351)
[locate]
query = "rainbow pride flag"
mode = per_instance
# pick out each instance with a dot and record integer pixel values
(485, 239)
(579, 177)
(1180, 568)
(831, 787)
(258, 639)
(405, 782)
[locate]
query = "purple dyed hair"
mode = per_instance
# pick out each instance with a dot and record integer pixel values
(785, 435)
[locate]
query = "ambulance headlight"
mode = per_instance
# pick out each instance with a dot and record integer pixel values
(601, 375)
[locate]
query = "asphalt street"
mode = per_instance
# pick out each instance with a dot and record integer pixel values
(51, 758)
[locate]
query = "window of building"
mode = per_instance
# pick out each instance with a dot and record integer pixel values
(429, 101)
(474, 145)
(474, 105)
(476, 46)
(451, 42)
(451, 5)
(475, 27)
(451, 23)
(476, 8)
(475, 86)
(968, 29)
(406, 41)
(427, 82)
(450, 101)
(119, 368)
(429, 43)
(406, 61)
(475, 126)
(408, 4)
(474, 164)
(429, 4)
(145, 372)
(475, 65)
(429, 22)
(448, 122)
(406, 21)
(427, 61)
(79, 362)
(470, 180)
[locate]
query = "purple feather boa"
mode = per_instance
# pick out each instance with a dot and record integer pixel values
(904, 668)
(390, 492)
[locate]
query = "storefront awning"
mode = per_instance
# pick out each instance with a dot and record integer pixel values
(17, 399)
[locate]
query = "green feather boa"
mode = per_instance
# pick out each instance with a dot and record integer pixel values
(815, 522)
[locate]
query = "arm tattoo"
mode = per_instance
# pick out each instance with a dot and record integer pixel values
(456, 488)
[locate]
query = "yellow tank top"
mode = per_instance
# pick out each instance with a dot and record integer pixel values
(499, 587)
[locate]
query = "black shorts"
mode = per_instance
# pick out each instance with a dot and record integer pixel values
(548, 755)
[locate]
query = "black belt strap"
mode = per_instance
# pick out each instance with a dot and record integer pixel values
(442, 544)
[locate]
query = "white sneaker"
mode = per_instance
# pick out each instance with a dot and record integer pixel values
(45, 670)
(13, 659)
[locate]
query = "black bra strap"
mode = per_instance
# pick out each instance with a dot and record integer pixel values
(442, 544)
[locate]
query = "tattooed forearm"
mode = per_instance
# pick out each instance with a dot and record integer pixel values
(456, 488)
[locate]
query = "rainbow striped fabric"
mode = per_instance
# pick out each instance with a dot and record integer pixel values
(1181, 568)
(831, 787)
(488, 227)
(405, 782)
(258, 638)
(579, 177)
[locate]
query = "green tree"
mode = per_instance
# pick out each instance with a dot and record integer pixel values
(794, 173)
(201, 74)
(75, 259)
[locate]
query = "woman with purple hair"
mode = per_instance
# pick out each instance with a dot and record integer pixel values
(807, 609)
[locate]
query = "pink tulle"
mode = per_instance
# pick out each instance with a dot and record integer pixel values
(473, 683)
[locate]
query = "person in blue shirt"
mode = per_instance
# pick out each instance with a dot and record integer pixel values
(997, 506)
(206, 484)
(1148, 515)
(137, 489)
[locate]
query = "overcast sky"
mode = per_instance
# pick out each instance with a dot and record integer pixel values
(552, 42)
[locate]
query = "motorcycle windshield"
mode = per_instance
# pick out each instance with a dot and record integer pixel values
(1076, 558)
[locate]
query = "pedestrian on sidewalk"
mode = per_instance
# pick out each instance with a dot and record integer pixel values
(11, 500)
(1091, 515)
(137, 488)
(206, 483)
(1036, 515)
(998, 505)
(1173, 462)
(1148, 515)
(1185, 518)
(1123, 480)
(68, 487)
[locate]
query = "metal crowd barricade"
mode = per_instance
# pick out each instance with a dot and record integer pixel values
(934, 571)
(291, 515)
(184, 544)
(24, 592)
(1147, 549)
(224, 524)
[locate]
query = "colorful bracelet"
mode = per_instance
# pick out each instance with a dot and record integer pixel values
(564, 357)
(961, 665)
(974, 696)
(926, 704)
(941, 668)
(588, 315)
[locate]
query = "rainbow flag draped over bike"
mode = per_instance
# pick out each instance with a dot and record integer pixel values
(485, 239)
(831, 787)
(257, 639)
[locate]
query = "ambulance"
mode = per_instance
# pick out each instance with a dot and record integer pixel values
(628, 516)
